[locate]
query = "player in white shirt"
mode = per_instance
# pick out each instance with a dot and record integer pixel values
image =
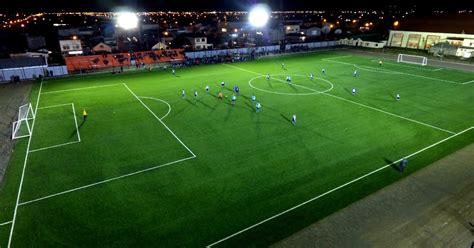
(283, 66)
(293, 119)
(258, 106)
(355, 73)
(323, 71)
(195, 94)
(222, 84)
(398, 96)
(207, 89)
(183, 93)
(354, 91)
(234, 98)
(268, 76)
(253, 99)
(311, 76)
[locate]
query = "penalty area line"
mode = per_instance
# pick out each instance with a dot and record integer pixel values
(6, 223)
(105, 181)
(335, 189)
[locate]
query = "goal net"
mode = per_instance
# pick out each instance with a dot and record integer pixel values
(412, 59)
(21, 127)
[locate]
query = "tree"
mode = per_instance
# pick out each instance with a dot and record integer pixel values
(180, 41)
(325, 30)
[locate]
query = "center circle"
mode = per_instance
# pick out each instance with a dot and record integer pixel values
(315, 92)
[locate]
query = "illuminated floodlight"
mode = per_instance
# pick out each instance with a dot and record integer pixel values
(259, 15)
(127, 20)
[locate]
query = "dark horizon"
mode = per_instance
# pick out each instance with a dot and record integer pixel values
(31, 6)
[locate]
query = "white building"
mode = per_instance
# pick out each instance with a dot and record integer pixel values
(425, 40)
(292, 29)
(199, 43)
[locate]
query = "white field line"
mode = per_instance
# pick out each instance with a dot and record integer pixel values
(6, 223)
(468, 82)
(408, 66)
(64, 144)
(394, 72)
(144, 105)
(104, 181)
(55, 106)
(360, 104)
(340, 57)
(55, 146)
(337, 188)
(83, 88)
(24, 169)
(163, 101)
(75, 121)
(388, 113)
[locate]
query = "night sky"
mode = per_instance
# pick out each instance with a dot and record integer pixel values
(28, 6)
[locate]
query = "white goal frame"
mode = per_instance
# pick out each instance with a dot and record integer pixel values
(423, 60)
(25, 114)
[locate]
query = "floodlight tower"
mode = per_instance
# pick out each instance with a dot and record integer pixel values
(259, 16)
(127, 21)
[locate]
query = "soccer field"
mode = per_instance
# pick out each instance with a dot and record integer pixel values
(151, 168)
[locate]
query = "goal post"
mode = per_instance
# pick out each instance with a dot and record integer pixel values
(412, 59)
(21, 127)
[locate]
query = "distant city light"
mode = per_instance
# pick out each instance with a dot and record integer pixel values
(127, 20)
(259, 15)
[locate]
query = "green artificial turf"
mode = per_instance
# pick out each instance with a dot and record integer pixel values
(208, 169)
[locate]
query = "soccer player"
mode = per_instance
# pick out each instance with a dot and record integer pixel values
(257, 107)
(237, 90)
(293, 119)
(268, 76)
(173, 71)
(84, 114)
(398, 96)
(311, 76)
(207, 89)
(222, 84)
(253, 99)
(288, 79)
(220, 96)
(354, 91)
(403, 164)
(195, 94)
(355, 73)
(183, 93)
(323, 71)
(283, 66)
(380, 62)
(234, 98)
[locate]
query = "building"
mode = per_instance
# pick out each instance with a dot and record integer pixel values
(70, 47)
(292, 29)
(425, 40)
(199, 42)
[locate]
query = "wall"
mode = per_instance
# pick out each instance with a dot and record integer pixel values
(270, 49)
(26, 73)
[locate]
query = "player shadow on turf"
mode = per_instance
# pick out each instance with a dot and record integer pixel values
(392, 164)
(286, 118)
(189, 101)
(250, 106)
(205, 105)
